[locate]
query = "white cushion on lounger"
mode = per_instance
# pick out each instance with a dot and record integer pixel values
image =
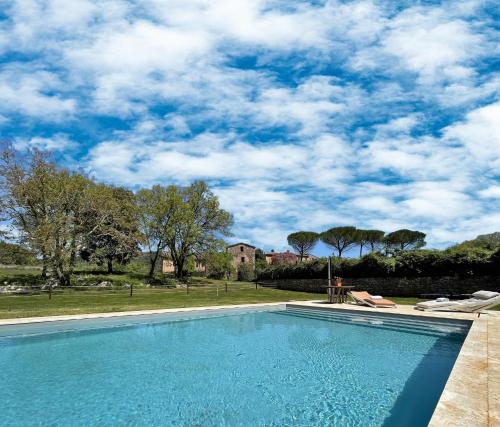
(484, 295)
(442, 299)
(376, 297)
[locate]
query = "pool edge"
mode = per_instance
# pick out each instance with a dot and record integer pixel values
(66, 317)
(464, 400)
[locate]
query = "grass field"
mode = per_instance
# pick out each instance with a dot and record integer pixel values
(77, 302)
(202, 292)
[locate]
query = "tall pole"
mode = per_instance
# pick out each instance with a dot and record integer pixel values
(329, 271)
(330, 290)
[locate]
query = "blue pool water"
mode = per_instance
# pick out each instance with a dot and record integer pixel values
(289, 367)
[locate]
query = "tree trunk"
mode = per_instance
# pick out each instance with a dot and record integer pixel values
(152, 268)
(72, 257)
(152, 261)
(179, 268)
(110, 265)
(62, 277)
(44, 265)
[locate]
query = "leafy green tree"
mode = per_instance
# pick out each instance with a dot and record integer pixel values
(14, 254)
(116, 238)
(198, 225)
(489, 242)
(340, 238)
(157, 208)
(219, 264)
(404, 239)
(44, 203)
(260, 259)
(303, 242)
(371, 238)
(361, 240)
(245, 273)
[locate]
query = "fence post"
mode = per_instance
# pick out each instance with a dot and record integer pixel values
(187, 288)
(256, 285)
(225, 283)
(131, 289)
(50, 290)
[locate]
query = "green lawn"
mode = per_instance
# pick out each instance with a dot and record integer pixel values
(202, 292)
(76, 302)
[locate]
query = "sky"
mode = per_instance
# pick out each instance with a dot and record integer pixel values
(301, 115)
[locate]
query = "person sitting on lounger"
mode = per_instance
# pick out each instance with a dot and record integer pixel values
(364, 298)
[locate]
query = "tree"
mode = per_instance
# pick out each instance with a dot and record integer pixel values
(371, 238)
(340, 238)
(489, 242)
(156, 210)
(115, 238)
(44, 203)
(260, 259)
(361, 240)
(246, 273)
(404, 239)
(303, 242)
(219, 264)
(14, 254)
(198, 225)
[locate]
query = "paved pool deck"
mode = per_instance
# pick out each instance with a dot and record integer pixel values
(471, 396)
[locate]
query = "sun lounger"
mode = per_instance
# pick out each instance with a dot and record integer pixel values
(481, 300)
(364, 298)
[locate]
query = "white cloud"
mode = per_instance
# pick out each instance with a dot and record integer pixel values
(57, 142)
(432, 45)
(492, 192)
(29, 93)
(200, 81)
(479, 133)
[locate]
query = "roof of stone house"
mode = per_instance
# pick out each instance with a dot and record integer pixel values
(241, 243)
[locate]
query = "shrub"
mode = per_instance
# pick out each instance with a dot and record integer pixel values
(246, 273)
(373, 265)
(417, 263)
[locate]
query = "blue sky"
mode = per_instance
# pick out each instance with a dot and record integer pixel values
(300, 115)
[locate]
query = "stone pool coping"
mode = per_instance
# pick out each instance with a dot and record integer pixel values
(64, 317)
(472, 392)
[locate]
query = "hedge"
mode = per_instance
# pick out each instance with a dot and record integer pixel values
(418, 263)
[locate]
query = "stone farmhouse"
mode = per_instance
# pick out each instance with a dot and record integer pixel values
(242, 254)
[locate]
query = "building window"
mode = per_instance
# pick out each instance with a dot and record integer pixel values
(241, 249)
(242, 259)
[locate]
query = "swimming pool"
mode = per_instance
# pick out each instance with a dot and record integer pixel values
(263, 367)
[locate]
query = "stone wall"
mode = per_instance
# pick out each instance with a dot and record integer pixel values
(400, 286)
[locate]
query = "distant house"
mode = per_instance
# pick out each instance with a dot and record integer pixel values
(168, 266)
(280, 258)
(242, 254)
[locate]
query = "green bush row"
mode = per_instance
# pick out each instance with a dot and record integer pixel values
(418, 263)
